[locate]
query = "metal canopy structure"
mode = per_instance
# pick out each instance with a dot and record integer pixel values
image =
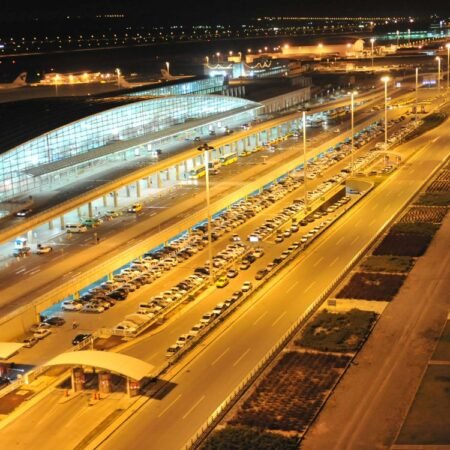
(115, 362)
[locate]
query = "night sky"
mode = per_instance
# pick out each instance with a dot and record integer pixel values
(217, 11)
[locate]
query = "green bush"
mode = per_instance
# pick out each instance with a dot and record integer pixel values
(372, 286)
(245, 438)
(387, 263)
(406, 244)
(434, 199)
(337, 332)
(425, 229)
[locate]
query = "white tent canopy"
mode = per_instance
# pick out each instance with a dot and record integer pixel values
(8, 349)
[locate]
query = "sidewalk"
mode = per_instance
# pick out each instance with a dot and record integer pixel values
(370, 404)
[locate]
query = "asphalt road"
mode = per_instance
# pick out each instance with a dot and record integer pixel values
(203, 383)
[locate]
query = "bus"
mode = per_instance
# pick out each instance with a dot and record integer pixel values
(229, 158)
(197, 173)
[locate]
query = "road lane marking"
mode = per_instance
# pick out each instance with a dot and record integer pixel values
(318, 262)
(260, 317)
(194, 406)
(21, 270)
(335, 260)
(279, 318)
(34, 271)
(371, 222)
(292, 287)
(241, 357)
(220, 356)
(168, 406)
(309, 287)
(435, 139)
(340, 240)
(354, 239)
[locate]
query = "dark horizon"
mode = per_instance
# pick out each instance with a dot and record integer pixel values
(178, 12)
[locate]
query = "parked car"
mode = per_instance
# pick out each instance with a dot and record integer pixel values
(247, 286)
(55, 321)
(92, 308)
(80, 338)
(172, 350)
(232, 273)
(30, 341)
(222, 282)
(261, 274)
(181, 341)
(41, 333)
(43, 248)
(196, 329)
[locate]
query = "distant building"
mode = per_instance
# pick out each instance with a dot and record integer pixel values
(323, 50)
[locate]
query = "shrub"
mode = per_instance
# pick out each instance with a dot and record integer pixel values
(372, 286)
(244, 438)
(403, 245)
(425, 229)
(387, 263)
(337, 332)
(434, 199)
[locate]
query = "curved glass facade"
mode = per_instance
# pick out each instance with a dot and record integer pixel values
(118, 124)
(211, 85)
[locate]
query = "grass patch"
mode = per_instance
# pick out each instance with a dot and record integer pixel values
(428, 421)
(291, 394)
(434, 199)
(340, 332)
(403, 245)
(387, 263)
(429, 214)
(372, 286)
(244, 438)
(423, 229)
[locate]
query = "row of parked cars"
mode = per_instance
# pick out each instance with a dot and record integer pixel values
(207, 319)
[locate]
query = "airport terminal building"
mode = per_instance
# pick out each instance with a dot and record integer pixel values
(119, 128)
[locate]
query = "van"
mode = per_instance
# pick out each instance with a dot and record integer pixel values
(75, 228)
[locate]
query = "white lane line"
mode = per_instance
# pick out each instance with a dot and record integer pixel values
(318, 262)
(335, 260)
(35, 271)
(292, 287)
(241, 357)
(194, 406)
(220, 356)
(168, 406)
(354, 239)
(435, 139)
(340, 240)
(279, 318)
(21, 270)
(152, 214)
(371, 222)
(260, 317)
(309, 287)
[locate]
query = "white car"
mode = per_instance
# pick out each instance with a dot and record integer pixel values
(196, 329)
(42, 333)
(43, 248)
(258, 252)
(126, 325)
(91, 307)
(183, 339)
(246, 286)
(71, 306)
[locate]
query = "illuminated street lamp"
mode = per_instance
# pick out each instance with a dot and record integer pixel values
(352, 122)
(438, 59)
(205, 148)
(385, 80)
(372, 40)
(398, 35)
(448, 64)
(417, 92)
(409, 37)
(305, 164)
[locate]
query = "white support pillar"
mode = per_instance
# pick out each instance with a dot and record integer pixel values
(138, 188)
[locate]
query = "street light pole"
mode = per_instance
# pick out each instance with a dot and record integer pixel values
(448, 64)
(305, 167)
(385, 80)
(372, 40)
(205, 148)
(352, 106)
(438, 59)
(417, 92)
